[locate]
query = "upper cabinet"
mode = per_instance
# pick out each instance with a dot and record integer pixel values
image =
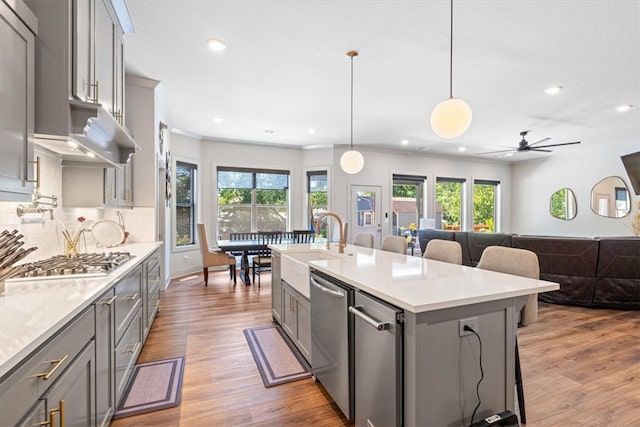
(79, 81)
(18, 26)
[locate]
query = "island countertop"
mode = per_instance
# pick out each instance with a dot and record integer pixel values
(414, 283)
(31, 312)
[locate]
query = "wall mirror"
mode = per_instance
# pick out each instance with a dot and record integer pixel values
(610, 198)
(563, 204)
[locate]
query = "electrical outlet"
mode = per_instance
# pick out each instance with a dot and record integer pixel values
(472, 322)
(185, 259)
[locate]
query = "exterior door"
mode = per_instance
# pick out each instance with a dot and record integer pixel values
(366, 212)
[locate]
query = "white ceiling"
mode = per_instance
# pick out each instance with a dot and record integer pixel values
(285, 70)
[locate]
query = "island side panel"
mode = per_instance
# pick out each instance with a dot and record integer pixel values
(442, 369)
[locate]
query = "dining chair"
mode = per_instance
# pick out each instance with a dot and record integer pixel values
(212, 258)
(304, 236)
(363, 239)
(519, 262)
(444, 250)
(262, 261)
(397, 244)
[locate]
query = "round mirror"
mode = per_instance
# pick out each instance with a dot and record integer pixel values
(563, 204)
(610, 198)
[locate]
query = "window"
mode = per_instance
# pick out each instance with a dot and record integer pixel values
(408, 205)
(185, 203)
(449, 202)
(252, 200)
(485, 196)
(318, 196)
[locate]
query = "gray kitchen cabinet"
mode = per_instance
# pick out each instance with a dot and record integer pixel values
(296, 319)
(104, 35)
(276, 287)
(18, 26)
(118, 84)
(151, 290)
(62, 369)
(126, 353)
(105, 358)
(82, 85)
(90, 186)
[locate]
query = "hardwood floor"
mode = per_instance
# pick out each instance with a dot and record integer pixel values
(581, 367)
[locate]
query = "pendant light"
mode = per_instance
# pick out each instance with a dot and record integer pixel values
(352, 161)
(452, 117)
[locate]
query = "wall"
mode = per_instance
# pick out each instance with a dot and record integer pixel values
(534, 181)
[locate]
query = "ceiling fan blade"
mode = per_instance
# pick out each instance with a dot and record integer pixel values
(538, 142)
(540, 149)
(558, 145)
(496, 152)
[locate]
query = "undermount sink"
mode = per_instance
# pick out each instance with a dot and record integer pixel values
(295, 268)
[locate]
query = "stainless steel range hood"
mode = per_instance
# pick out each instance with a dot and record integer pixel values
(101, 142)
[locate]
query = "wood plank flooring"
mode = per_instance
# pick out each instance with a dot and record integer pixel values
(581, 367)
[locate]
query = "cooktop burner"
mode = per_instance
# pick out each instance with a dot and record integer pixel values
(83, 265)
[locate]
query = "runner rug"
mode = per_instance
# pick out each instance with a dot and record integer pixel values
(277, 358)
(153, 386)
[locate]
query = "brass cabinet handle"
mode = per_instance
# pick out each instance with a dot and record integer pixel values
(96, 96)
(52, 415)
(131, 348)
(110, 301)
(62, 413)
(46, 375)
(37, 180)
(131, 297)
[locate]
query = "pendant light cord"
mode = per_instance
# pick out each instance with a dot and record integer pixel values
(352, 100)
(450, 56)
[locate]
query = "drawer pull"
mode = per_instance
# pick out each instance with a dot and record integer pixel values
(131, 348)
(109, 301)
(52, 416)
(46, 375)
(131, 297)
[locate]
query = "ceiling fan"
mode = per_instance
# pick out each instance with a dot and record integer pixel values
(525, 146)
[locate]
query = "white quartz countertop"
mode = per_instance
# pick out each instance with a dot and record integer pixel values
(33, 311)
(413, 283)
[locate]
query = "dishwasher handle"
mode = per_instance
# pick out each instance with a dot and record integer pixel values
(326, 290)
(381, 326)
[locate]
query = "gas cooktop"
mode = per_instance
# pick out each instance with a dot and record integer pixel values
(83, 265)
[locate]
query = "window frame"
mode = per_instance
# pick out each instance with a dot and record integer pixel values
(463, 190)
(195, 201)
(496, 202)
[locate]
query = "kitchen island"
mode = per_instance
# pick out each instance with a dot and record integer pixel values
(440, 363)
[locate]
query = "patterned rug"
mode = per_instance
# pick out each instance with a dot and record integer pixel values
(277, 358)
(153, 386)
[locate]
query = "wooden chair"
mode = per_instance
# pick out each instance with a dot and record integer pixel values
(211, 258)
(304, 236)
(262, 261)
(363, 239)
(397, 244)
(444, 250)
(519, 262)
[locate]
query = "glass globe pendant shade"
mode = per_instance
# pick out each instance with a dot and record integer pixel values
(451, 118)
(352, 162)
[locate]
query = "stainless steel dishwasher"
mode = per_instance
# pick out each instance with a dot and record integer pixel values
(378, 362)
(331, 338)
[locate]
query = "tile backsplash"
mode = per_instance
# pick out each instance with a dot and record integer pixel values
(40, 231)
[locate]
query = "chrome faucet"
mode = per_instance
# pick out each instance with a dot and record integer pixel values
(343, 230)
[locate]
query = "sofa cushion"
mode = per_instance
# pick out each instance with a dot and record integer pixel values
(477, 242)
(618, 274)
(567, 260)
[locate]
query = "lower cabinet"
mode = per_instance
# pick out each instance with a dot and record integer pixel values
(127, 351)
(105, 358)
(276, 287)
(296, 319)
(151, 280)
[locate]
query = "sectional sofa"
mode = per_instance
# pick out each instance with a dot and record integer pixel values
(592, 272)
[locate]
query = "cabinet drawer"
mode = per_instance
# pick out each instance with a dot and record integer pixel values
(154, 302)
(25, 386)
(127, 353)
(128, 300)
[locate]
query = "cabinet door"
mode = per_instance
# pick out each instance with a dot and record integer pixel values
(303, 323)
(288, 311)
(118, 109)
(82, 75)
(276, 287)
(105, 358)
(104, 54)
(16, 107)
(71, 400)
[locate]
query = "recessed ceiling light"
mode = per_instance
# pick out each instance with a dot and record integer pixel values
(462, 148)
(216, 45)
(269, 131)
(90, 154)
(508, 155)
(217, 120)
(404, 142)
(311, 131)
(623, 108)
(553, 90)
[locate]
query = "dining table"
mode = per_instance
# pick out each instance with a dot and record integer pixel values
(246, 247)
